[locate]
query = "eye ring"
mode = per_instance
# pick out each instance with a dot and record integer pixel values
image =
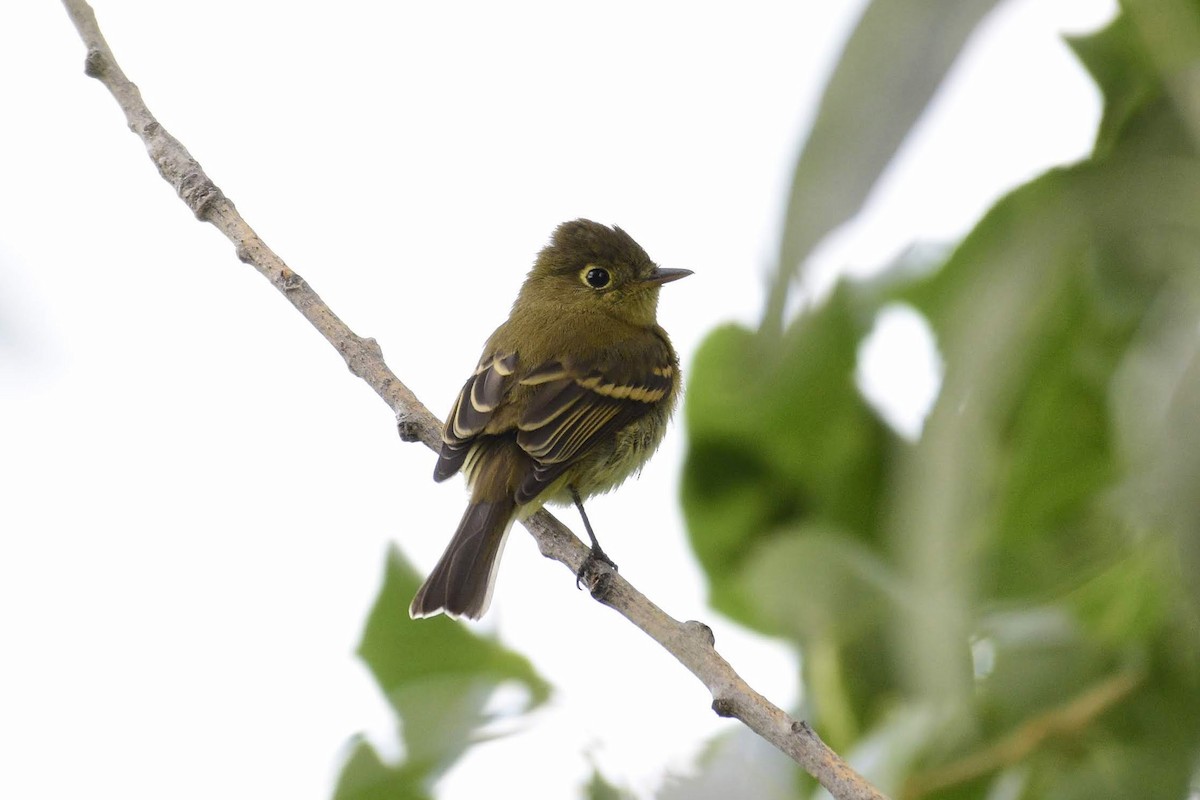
(595, 277)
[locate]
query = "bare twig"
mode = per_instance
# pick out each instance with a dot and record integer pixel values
(690, 642)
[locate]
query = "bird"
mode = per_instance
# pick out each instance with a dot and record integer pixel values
(571, 396)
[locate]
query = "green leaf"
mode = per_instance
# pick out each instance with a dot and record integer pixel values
(438, 676)
(401, 651)
(834, 595)
(1055, 443)
(779, 436)
(598, 788)
(890, 67)
(365, 777)
(1170, 34)
(1124, 74)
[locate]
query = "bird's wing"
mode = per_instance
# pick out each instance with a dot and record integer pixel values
(569, 411)
(479, 398)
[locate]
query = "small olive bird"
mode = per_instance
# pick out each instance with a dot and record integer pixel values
(570, 398)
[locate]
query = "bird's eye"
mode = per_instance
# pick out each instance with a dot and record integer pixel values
(596, 277)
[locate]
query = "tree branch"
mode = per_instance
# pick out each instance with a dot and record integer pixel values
(690, 642)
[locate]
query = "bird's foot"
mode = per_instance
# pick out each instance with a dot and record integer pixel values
(595, 554)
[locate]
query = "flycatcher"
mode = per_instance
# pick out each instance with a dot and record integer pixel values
(570, 398)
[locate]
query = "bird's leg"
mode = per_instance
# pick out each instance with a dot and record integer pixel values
(596, 553)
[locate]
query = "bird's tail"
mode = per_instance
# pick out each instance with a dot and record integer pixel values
(461, 583)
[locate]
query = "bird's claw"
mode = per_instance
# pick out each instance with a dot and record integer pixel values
(595, 554)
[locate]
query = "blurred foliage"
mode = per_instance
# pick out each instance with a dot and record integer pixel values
(598, 788)
(438, 677)
(1008, 606)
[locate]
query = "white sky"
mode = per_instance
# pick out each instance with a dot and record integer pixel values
(196, 497)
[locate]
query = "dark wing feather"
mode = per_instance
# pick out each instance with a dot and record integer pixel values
(568, 414)
(480, 396)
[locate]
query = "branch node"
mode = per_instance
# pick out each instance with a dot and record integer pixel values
(243, 253)
(723, 706)
(697, 628)
(289, 281)
(95, 63)
(198, 191)
(372, 347)
(408, 428)
(804, 729)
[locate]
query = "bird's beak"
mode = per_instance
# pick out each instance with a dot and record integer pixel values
(661, 276)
